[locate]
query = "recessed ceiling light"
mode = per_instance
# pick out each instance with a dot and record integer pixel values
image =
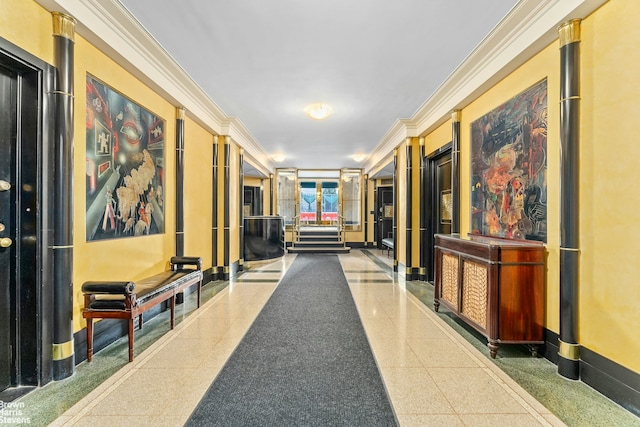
(359, 157)
(278, 158)
(318, 111)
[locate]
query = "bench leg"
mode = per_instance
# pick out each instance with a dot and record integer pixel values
(173, 311)
(131, 340)
(89, 339)
(199, 289)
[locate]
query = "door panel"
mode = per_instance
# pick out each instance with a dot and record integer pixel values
(8, 155)
(438, 189)
(385, 214)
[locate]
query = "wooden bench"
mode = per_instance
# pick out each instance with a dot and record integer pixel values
(128, 300)
(387, 243)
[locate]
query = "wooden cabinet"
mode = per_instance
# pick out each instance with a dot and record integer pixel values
(494, 285)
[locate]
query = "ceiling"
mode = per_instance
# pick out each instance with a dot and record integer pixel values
(373, 61)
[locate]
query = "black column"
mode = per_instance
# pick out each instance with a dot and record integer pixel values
(63, 354)
(396, 201)
(271, 187)
(366, 209)
(241, 210)
(180, 113)
(422, 272)
(455, 172)
(214, 209)
(409, 206)
(226, 268)
(569, 349)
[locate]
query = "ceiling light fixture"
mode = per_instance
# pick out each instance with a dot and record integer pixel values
(278, 158)
(359, 157)
(318, 111)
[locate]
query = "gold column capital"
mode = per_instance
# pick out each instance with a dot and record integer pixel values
(569, 32)
(180, 113)
(421, 140)
(64, 25)
(455, 116)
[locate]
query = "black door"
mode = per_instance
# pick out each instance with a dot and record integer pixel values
(19, 112)
(439, 206)
(8, 113)
(385, 214)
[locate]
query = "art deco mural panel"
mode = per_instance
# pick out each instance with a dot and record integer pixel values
(509, 168)
(124, 166)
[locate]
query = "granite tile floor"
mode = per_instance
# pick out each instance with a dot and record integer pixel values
(435, 371)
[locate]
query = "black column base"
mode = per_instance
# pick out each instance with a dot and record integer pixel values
(569, 369)
(63, 368)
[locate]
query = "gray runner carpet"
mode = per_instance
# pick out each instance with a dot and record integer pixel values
(305, 361)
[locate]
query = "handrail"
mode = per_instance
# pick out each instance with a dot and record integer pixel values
(295, 237)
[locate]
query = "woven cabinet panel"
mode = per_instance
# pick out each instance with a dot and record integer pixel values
(474, 292)
(450, 283)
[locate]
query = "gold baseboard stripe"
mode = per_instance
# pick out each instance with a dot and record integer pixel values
(569, 351)
(63, 350)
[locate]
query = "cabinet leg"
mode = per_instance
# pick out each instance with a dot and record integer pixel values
(436, 305)
(493, 349)
(534, 350)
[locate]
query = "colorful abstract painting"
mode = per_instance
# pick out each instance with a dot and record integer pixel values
(509, 168)
(124, 166)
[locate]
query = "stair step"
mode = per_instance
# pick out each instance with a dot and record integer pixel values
(316, 249)
(320, 244)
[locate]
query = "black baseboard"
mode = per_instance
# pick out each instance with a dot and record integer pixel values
(614, 381)
(618, 383)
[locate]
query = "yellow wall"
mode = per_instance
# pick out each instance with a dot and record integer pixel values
(198, 161)
(439, 137)
(609, 171)
(128, 258)
(28, 25)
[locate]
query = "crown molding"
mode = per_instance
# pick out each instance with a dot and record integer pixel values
(111, 28)
(528, 28)
(400, 130)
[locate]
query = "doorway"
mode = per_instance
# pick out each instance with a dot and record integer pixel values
(26, 125)
(439, 201)
(385, 211)
(318, 202)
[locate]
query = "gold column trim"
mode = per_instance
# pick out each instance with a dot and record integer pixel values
(64, 25)
(569, 32)
(180, 113)
(455, 116)
(569, 351)
(408, 141)
(421, 141)
(63, 350)
(422, 271)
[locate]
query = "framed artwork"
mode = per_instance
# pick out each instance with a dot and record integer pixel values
(388, 211)
(509, 168)
(124, 166)
(446, 207)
